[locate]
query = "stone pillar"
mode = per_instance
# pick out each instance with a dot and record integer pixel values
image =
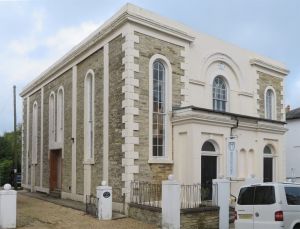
(104, 194)
(170, 204)
(221, 197)
(8, 207)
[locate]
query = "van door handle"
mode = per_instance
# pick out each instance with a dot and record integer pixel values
(256, 214)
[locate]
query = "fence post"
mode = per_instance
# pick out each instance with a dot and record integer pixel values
(104, 195)
(221, 195)
(170, 204)
(8, 207)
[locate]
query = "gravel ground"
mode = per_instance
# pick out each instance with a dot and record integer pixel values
(39, 214)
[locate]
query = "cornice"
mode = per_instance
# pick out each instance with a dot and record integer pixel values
(110, 26)
(268, 66)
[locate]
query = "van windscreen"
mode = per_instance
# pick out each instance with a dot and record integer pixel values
(292, 195)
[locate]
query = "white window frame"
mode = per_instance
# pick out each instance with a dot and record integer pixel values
(51, 122)
(167, 157)
(227, 101)
(273, 114)
(60, 116)
(89, 144)
(34, 139)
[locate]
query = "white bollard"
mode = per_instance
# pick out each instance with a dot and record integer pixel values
(170, 204)
(8, 207)
(104, 193)
(221, 195)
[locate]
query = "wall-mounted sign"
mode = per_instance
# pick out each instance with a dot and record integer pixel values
(231, 157)
(106, 194)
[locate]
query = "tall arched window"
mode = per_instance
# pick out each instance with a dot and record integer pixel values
(89, 115)
(159, 109)
(52, 118)
(34, 132)
(270, 104)
(60, 115)
(219, 94)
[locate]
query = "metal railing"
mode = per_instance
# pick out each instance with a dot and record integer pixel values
(146, 193)
(91, 205)
(195, 196)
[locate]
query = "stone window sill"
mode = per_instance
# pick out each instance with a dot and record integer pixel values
(160, 161)
(88, 162)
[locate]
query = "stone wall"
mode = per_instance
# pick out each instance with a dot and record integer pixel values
(147, 47)
(204, 217)
(24, 151)
(94, 62)
(263, 82)
(115, 117)
(147, 214)
(65, 80)
(36, 97)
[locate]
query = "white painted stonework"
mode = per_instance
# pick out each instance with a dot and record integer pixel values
(293, 149)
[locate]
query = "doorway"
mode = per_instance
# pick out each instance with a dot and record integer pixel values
(208, 173)
(268, 169)
(55, 170)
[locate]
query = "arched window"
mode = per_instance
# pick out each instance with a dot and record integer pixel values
(89, 115)
(159, 110)
(270, 103)
(52, 131)
(60, 115)
(219, 94)
(34, 132)
(208, 146)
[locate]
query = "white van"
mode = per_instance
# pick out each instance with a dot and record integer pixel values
(268, 206)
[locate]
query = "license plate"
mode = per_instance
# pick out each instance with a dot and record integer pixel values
(245, 216)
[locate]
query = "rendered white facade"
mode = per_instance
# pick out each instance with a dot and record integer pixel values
(293, 149)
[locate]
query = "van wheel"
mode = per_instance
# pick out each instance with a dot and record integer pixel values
(297, 226)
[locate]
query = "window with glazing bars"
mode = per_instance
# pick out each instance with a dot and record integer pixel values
(219, 94)
(159, 109)
(269, 104)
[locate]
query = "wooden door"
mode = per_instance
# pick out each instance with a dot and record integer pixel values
(208, 173)
(53, 170)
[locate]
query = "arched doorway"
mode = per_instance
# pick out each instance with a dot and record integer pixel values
(268, 164)
(208, 169)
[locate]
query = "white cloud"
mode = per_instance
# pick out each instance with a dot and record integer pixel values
(24, 59)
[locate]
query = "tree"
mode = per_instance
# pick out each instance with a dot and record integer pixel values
(7, 154)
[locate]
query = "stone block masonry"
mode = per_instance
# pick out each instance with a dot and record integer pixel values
(94, 62)
(65, 81)
(264, 80)
(147, 47)
(115, 117)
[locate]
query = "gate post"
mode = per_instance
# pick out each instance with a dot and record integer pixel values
(8, 207)
(221, 196)
(170, 204)
(104, 195)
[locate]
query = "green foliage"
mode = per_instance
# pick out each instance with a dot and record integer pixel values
(7, 154)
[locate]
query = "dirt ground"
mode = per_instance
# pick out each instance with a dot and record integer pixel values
(39, 214)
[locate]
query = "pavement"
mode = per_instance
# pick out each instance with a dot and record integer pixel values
(35, 211)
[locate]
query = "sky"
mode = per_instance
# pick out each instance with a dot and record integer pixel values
(36, 33)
